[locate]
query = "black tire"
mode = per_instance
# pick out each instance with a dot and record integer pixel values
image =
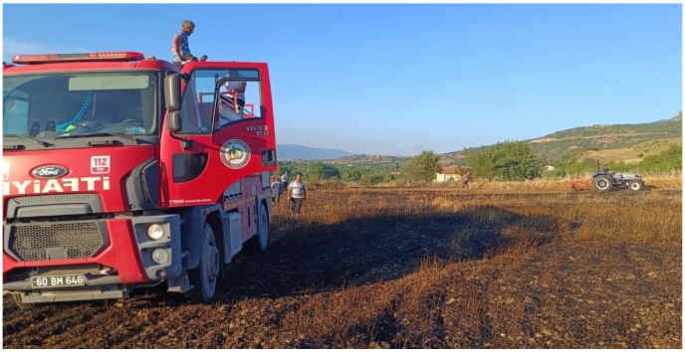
(602, 183)
(207, 276)
(635, 186)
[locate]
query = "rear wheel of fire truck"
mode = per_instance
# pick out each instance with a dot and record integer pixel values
(263, 226)
(602, 183)
(207, 276)
(635, 185)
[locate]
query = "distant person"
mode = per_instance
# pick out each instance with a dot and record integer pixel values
(297, 193)
(605, 170)
(284, 180)
(180, 45)
(275, 190)
(466, 179)
(285, 177)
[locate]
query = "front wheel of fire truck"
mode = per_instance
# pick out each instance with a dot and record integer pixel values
(207, 276)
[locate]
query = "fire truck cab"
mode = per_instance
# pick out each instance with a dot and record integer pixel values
(123, 172)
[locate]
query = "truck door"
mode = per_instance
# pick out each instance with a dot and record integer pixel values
(227, 132)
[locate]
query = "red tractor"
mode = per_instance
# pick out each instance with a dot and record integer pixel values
(117, 176)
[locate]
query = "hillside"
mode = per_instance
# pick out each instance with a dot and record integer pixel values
(628, 143)
(604, 137)
(368, 159)
(623, 142)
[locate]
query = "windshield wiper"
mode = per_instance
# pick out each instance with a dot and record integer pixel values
(28, 138)
(104, 134)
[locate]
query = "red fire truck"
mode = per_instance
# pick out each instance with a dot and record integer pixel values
(123, 172)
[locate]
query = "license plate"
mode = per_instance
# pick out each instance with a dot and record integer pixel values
(58, 281)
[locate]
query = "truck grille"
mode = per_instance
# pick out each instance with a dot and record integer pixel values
(56, 240)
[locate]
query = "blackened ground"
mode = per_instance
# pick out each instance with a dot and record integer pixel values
(480, 276)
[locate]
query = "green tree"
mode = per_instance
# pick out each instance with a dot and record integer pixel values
(321, 171)
(482, 163)
(371, 179)
(351, 174)
(668, 160)
(423, 167)
(507, 161)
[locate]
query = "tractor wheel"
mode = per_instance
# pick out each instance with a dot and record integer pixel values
(635, 185)
(207, 277)
(602, 183)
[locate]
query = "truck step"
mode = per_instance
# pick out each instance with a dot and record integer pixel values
(181, 289)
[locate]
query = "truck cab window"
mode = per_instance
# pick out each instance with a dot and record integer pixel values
(80, 104)
(15, 112)
(239, 98)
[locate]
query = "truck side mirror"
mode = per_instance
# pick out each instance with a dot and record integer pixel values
(173, 122)
(172, 99)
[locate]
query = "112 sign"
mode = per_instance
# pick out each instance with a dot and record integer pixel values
(99, 164)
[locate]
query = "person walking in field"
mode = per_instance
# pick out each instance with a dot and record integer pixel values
(285, 177)
(466, 179)
(297, 193)
(275, 190)
(284, 181)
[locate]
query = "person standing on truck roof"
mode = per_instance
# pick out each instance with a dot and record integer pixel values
(180, 46)
(297, 193)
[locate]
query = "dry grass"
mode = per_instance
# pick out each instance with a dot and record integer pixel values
(633, 154)
(475, 294)
(423, 268)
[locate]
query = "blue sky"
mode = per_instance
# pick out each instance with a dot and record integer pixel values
(399, 79)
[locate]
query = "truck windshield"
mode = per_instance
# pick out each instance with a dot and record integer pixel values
(54, 106)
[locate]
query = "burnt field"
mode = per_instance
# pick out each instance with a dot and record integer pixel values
(418, 268)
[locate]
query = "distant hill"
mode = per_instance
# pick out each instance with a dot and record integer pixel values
(369, 159)
(624, 142)
(302, 152)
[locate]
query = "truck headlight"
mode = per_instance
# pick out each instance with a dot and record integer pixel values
(160, 256)
(155, 232)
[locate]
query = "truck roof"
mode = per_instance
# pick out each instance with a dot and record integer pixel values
(52, 63)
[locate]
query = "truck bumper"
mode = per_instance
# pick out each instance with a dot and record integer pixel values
(118, 255)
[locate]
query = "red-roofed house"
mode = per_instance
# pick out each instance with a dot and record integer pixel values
(449, 173)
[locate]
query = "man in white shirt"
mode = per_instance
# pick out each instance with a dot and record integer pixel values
(297, 193)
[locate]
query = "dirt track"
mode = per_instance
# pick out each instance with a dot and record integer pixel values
(366, 282)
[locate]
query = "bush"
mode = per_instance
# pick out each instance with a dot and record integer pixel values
(423, 167)
(509, 161)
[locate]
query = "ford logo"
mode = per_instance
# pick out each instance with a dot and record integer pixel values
(49, 171)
